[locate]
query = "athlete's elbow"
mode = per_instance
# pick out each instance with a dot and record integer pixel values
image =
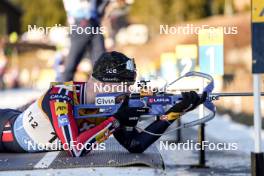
(136, 147)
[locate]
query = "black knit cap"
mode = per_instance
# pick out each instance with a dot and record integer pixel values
(114, 67)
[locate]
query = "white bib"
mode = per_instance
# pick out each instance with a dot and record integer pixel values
(37, 125)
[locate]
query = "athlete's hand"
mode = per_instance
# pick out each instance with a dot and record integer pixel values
(190, 101)
(128, 116)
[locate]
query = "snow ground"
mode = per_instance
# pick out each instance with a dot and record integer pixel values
(18, 97)
(223, 128)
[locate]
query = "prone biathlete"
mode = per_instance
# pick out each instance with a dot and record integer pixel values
(127, 135)
(50, 119)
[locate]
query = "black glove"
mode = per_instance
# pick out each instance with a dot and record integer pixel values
(190, 100)
(128, 116)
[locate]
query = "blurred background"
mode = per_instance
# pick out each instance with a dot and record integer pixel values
(32, 60)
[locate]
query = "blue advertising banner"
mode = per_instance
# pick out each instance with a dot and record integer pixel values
(257, 36)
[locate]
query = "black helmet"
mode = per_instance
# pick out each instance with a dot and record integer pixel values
(114, 67)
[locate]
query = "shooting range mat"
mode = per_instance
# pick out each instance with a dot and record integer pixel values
(114, 155)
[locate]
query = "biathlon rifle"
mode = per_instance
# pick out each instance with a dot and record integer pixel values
(156, 103)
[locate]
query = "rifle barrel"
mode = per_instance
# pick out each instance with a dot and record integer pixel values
(235, 94)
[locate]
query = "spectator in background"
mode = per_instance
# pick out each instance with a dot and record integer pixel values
(3, 64)
(59, 65)
(117, 16)
(85, 14)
